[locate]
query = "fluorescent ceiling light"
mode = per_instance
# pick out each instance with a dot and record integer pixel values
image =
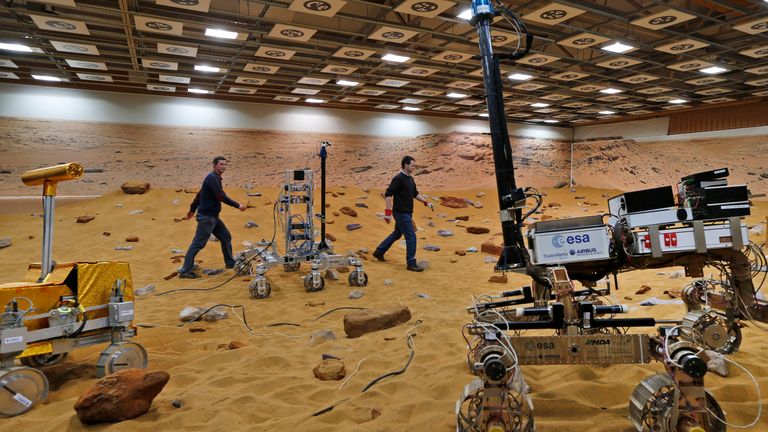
(342, 82)
(410, 108)
(606, 112)
(617, 47)
(457, 95)
(224, 34)
(551, 121)
(520, 77)
(313, 100)
(611, 91)
(395, 58)
(206, 68)
(46, 78)
(539, 105)
(467, 14)
(712, 70)
(678, 101)
(483, 115)
(198, 91)
(15, 47)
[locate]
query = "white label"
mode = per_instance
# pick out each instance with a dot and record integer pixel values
(14, 339)
(126, 312)
(734, 206)
(22, 400)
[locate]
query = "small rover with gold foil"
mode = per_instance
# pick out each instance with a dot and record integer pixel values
(60, 307)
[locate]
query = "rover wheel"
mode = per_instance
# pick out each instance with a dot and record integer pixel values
(121, 355)
(311, 286)
(259, 290)
(354, 279)
(20, 389)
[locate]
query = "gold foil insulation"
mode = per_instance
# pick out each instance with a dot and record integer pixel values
(94, 288)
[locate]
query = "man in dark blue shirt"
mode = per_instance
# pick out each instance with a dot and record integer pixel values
(398, 200)
(207, 203)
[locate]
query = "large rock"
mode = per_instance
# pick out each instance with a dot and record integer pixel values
(357, 324)
(330, 370)
(5, 242)
(491, 248)
(126, 394)
(135, 187)
(348, 211)
(85, 218)
(478, 230)
(453, 202)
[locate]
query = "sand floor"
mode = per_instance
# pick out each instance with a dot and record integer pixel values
(268, 384)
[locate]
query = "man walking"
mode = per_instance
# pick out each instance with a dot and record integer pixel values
(207, 203)
(398, 200)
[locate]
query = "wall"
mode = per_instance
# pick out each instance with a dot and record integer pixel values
(52, 103)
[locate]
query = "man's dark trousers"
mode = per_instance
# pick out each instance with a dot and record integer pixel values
(403, 227)
(207, 225)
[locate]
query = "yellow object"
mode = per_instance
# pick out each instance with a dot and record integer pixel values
(50, 176)
(91, 282)
(37, 348)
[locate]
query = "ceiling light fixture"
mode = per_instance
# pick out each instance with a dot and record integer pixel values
(198, 91)
(342, 82)
(617, 47)
(551, 121)
(714, 70)
(606, 112)
(678, 101)
(483, 115)
(46, 78)
(395, 58)
(224, 34)
(457, 95)
(410, 108)
(539, 105)
(611, 91)
(206, 68)
(467, 14)
(520, 76)
(313, 100)
(15, 47)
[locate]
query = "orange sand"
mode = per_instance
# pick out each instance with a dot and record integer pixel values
(268, 385)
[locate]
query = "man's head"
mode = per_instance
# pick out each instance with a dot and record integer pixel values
(219, 164)
(408, 164)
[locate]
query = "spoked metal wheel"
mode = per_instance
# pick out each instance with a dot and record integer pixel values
(121, 355)
(718, 333)
(20, 389)
(42, 360)
(292, 266)
(312, 285)
(259, 288)
(358, 278)
(515, 416)
(653, 407)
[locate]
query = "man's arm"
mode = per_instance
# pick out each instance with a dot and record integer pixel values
(218, 192)
(193, 206)
(424, 200)
(393, 185)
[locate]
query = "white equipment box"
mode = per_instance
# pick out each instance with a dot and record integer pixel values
(570, 240)
(716, 236)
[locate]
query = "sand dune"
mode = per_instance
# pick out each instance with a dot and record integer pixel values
(268, 384)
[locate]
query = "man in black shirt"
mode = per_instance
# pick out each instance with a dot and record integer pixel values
(398, 200)
(207, 203)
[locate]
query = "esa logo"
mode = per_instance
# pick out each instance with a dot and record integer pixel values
(559, 240)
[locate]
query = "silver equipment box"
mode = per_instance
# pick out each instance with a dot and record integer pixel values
(570, 240)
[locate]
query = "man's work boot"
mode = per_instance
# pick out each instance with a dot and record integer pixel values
(379, 255)
(415, 267)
